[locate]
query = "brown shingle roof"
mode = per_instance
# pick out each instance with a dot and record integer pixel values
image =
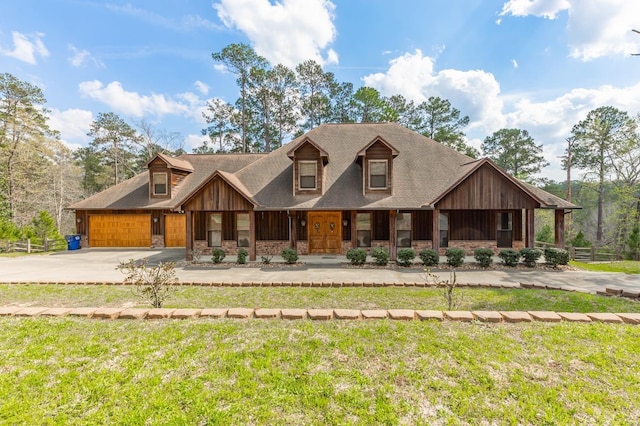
(134, 193)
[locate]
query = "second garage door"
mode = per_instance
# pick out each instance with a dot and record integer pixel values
(175, 234)
(120, 230)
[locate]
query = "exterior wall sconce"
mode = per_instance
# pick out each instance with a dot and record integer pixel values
(155, 220)
(303, 222)
(345, 222)
(79, 220)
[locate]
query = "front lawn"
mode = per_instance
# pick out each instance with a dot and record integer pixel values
(77, 371)
(311, 298)
(626, 266)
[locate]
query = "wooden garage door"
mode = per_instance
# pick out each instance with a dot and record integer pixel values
(120, 230)
(175, 230)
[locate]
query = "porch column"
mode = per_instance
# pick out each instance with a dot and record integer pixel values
(392, 235)
(559, 225)
(252, 235)
(293, 229)
(435, 230)
(354, 230)
(529, 232)
(189, 231)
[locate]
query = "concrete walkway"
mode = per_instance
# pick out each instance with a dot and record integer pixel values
(99, 265)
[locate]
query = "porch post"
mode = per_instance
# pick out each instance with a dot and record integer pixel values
(392, 235)
(189, 231)
(435, 230)
(293, 229)
(252, 235)
(530, 227)
(354, 230)
(559, 225)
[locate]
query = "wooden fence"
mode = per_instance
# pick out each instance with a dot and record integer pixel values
(584, 254)
(26, 246)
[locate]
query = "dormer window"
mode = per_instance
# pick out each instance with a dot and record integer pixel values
(308, 172)
(378, 174)
(160, 184)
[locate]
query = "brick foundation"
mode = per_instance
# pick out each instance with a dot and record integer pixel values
(271, 248)
(157, 241)
(470, 245)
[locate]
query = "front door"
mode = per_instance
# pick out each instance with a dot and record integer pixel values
(504, 235)
(325, 232)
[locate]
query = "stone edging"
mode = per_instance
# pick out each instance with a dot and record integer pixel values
(322, 314)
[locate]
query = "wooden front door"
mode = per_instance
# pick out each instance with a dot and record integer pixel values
(175, 230)
(324, 232)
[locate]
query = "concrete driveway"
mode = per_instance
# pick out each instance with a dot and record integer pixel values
(99, 265)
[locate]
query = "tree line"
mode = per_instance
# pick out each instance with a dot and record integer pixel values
(277, 104)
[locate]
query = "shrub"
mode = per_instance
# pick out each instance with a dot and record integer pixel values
(530, 256)
(447, 288)
(484, 256)
(242, 256)
(266, 259)
(555, 256)
(455, 256)
(290, 255)
(381, 255)
(357, 256)
(545, 234)
(580, 241)
(429, 257)
(509, 257)
(217, 255)
(632, 251)
(406, 256)
(153, 284)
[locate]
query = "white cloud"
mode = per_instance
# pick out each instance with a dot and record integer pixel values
(202, 87)
(131, 103)
(475, 93)
(542, 8)
(80, 58)
(285, 32)
(515, 63)
(193, 141)
(73, 125)
(26, 47)
(603, 27)
(595, 28)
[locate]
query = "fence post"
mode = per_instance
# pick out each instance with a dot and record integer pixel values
(46, 245)
(572, 253)
(593, 253)
(28, 245)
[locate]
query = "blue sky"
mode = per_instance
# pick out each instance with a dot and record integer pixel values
(538, 65)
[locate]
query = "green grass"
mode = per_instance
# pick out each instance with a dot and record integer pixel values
(311, 298)
(626, 266)
(77, 371)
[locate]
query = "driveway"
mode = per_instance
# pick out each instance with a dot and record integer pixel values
(99, 265)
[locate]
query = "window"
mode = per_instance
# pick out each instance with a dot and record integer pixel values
(403, 229)
(160, 184)
(307, 173)
(444, 229)
(378, 174)
(214, 230)
(363, 229)
(242, 227)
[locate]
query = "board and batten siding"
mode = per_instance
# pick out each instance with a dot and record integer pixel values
(487, 189)
(218, 195)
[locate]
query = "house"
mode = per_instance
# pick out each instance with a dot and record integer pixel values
(337, 187)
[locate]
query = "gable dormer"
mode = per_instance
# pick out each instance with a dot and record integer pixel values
(376, 160)
(308, 168)
(165, 174)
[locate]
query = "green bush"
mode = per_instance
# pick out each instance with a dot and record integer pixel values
(242, 256)
(218, 255)
(455, 256)
(555, 256)
(530, 256)
(580, 241)
(357, 256)
(290, 255)
(429, 257)
(266, 259)
(545, 234)
(484, 256)
(381, 255)
(510, 257)
(632, 251)
(405, 257)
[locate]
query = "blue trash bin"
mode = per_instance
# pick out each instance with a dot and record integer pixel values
(73, 242)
